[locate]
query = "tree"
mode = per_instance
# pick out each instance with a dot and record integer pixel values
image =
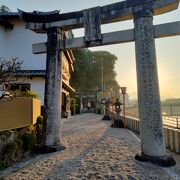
(4, 8)
(7, 70)
(88, 69)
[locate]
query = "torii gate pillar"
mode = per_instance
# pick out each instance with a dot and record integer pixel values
(53, 88)
(151, 128)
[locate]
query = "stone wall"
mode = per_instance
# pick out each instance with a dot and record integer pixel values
(5, 138)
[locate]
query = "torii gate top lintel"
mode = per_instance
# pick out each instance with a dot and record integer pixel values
(40, 22)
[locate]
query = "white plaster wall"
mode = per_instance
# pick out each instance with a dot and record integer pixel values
(38, 86)
(2, 37)
(18, 43)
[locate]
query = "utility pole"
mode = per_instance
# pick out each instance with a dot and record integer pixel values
(102, 75)
(102, 83)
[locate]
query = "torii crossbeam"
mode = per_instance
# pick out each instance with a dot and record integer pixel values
(144, 33)
(125, 36)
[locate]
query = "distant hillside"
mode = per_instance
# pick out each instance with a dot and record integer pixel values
(171, 102)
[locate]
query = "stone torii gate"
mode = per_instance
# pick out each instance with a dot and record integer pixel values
(144, 33)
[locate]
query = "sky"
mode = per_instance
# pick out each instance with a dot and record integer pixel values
(167, 49)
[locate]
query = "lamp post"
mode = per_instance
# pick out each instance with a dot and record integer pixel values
(123, 91)
(113, 94)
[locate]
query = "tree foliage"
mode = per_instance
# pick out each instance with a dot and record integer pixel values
(4, 8)
(88, 67)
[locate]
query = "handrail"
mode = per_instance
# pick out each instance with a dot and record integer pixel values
(167, 120)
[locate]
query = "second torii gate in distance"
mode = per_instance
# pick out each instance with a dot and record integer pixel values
(142, 11)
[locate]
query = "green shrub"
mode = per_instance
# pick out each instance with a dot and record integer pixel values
(39, 130)
(29, 141)
(30, 94)
(4, 164)
(11, 148)
(31, 129)
(40, 119)
(19, 143)
(7, 134)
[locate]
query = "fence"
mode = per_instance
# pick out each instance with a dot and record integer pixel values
(173, 122)
(169, 121)
(172, 136)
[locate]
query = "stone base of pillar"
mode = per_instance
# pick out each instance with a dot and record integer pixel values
(106, 117)
(49, 149)
(164, 161)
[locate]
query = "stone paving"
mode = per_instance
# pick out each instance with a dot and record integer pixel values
(94, 150)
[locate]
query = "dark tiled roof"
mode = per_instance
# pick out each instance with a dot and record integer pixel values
(30, 73)
(9, 14)
(38, 16)
(40, 73)
(4, 16)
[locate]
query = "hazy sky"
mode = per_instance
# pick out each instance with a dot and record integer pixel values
(167, 49)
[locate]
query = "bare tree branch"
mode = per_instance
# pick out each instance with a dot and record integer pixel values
(8, 68)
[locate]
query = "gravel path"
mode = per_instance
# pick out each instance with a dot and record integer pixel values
(93, 151)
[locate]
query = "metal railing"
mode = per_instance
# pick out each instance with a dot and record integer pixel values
(132, 114)
(169, 121)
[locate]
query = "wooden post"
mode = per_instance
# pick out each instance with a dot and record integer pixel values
(53, 88)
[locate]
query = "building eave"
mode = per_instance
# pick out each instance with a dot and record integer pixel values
(6, 23)
(31, 73)
(5, 16)
(9, 15)
(40, 73)
(69, 58)
(67, 86)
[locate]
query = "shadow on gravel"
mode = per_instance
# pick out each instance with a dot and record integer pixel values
(69, 166)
